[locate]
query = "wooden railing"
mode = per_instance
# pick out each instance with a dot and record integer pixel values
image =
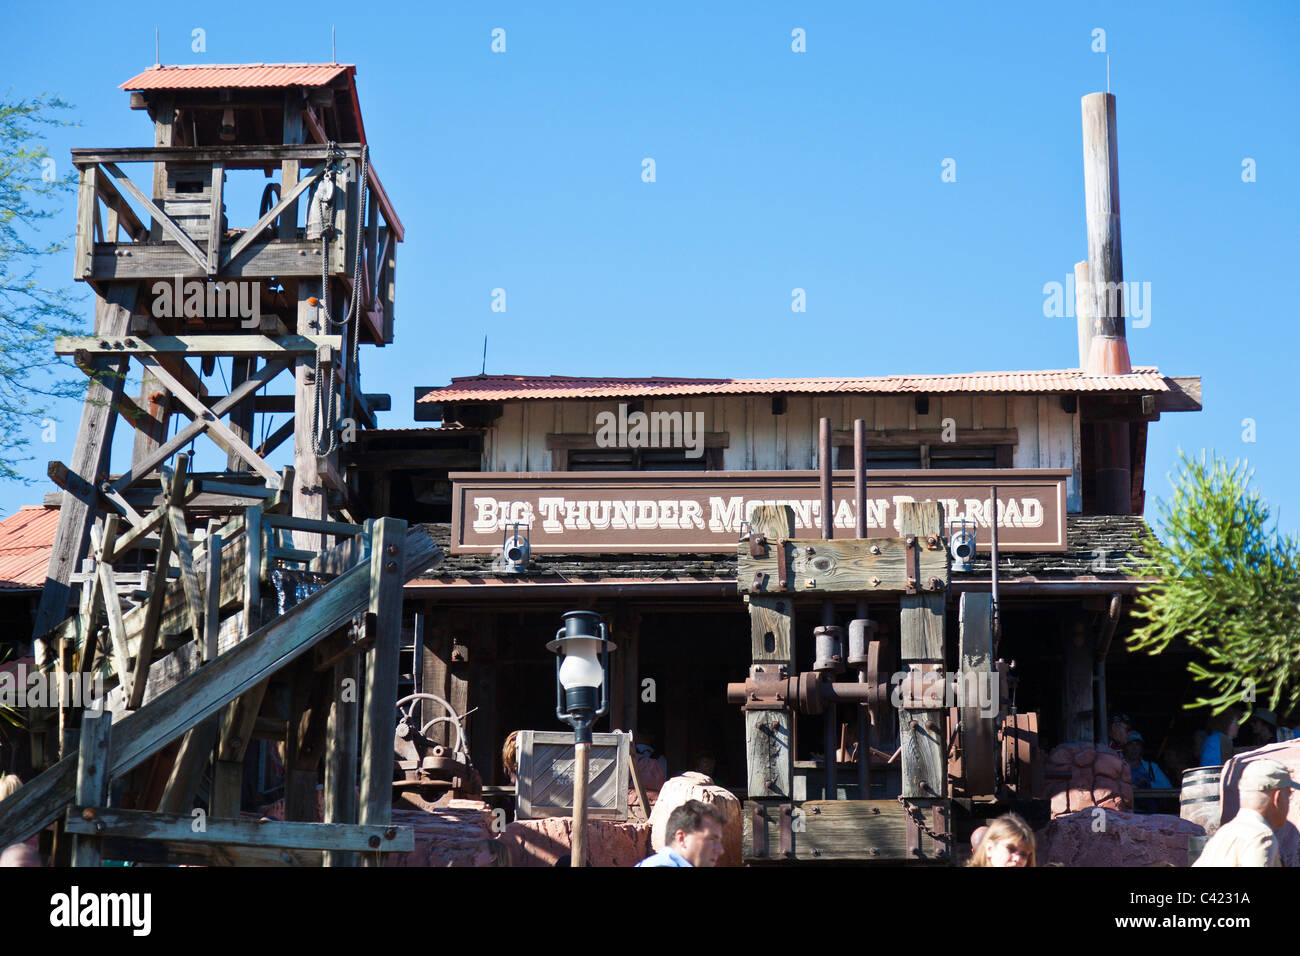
(189, 234)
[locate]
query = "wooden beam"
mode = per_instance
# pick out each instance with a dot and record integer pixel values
(92, 782)
(379, 720)
(233, 157)
(843, 565)
(309, 498)
(142, 825)
(769, 734)
(215, 229)
(196, 345)
(921, 627)
(87, 203)
(341, 751)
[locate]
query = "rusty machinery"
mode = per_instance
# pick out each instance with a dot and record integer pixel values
(991, 750)
(429, 770)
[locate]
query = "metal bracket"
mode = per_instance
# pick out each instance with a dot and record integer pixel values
(782, 565)
(758, 546)
(758, 830)
(913, 563)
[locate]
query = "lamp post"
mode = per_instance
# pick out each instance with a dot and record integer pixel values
(582, 647)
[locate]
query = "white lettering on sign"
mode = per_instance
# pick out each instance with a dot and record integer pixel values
(725, 514)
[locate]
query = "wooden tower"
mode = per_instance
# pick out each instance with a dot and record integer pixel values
(264, 244)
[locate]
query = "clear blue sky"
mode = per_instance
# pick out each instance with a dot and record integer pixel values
(775, 170)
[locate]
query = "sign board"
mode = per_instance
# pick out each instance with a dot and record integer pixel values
(701, 511)
(545, 786)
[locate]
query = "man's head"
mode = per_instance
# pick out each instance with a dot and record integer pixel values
(20, 854)
(695, 831)
(1133, 747)
(1265, 787)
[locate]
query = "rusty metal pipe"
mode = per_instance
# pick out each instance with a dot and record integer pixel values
(993, 540)
(860, 500)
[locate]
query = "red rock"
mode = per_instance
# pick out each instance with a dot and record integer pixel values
(1109, 764)
(1108, 837)
(697, 786)
(609, 842)
(1085, 756)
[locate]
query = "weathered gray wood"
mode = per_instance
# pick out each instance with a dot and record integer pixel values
(152, 431)
(856, 830)
(205, 691)
(388, 288)
(840, 566)
(90, 459)
(388, 552)
(233, 157)
(921, 627)
(341, 751)
(769, 735)
(241, 416)
(277, 258)
(108, 594)
(214, 217)
(212, 598)
(87, 203)
(769, 753)
(92, 781)
(250, 344)
(142, 825)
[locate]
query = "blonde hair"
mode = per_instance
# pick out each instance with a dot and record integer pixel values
(510, 752)
(1009, 826)
(9, 782)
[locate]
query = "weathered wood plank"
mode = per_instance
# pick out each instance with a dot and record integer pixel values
(921, 626)
(92, 781)
(379, 718)
(143, 825)
(841, 565)
(251, 344)
(826, 830)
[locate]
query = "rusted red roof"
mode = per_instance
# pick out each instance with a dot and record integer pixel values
(495, 388)
(237, 75)
(26, 541)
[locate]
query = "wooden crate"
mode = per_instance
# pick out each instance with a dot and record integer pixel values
(546, 775)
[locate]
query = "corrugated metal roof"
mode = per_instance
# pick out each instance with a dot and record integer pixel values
(26, 542)
(494, 388)
(237, 75)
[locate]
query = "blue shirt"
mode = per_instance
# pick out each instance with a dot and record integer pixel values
(665, 857)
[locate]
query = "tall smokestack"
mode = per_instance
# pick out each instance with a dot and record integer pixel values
(1108, 350)
(1107, 347)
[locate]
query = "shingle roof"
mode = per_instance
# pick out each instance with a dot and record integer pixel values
(237, 75)
(493, 388)
(26, 541)
(1100, 547)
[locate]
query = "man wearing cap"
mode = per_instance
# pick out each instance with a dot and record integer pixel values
(1248, 838)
